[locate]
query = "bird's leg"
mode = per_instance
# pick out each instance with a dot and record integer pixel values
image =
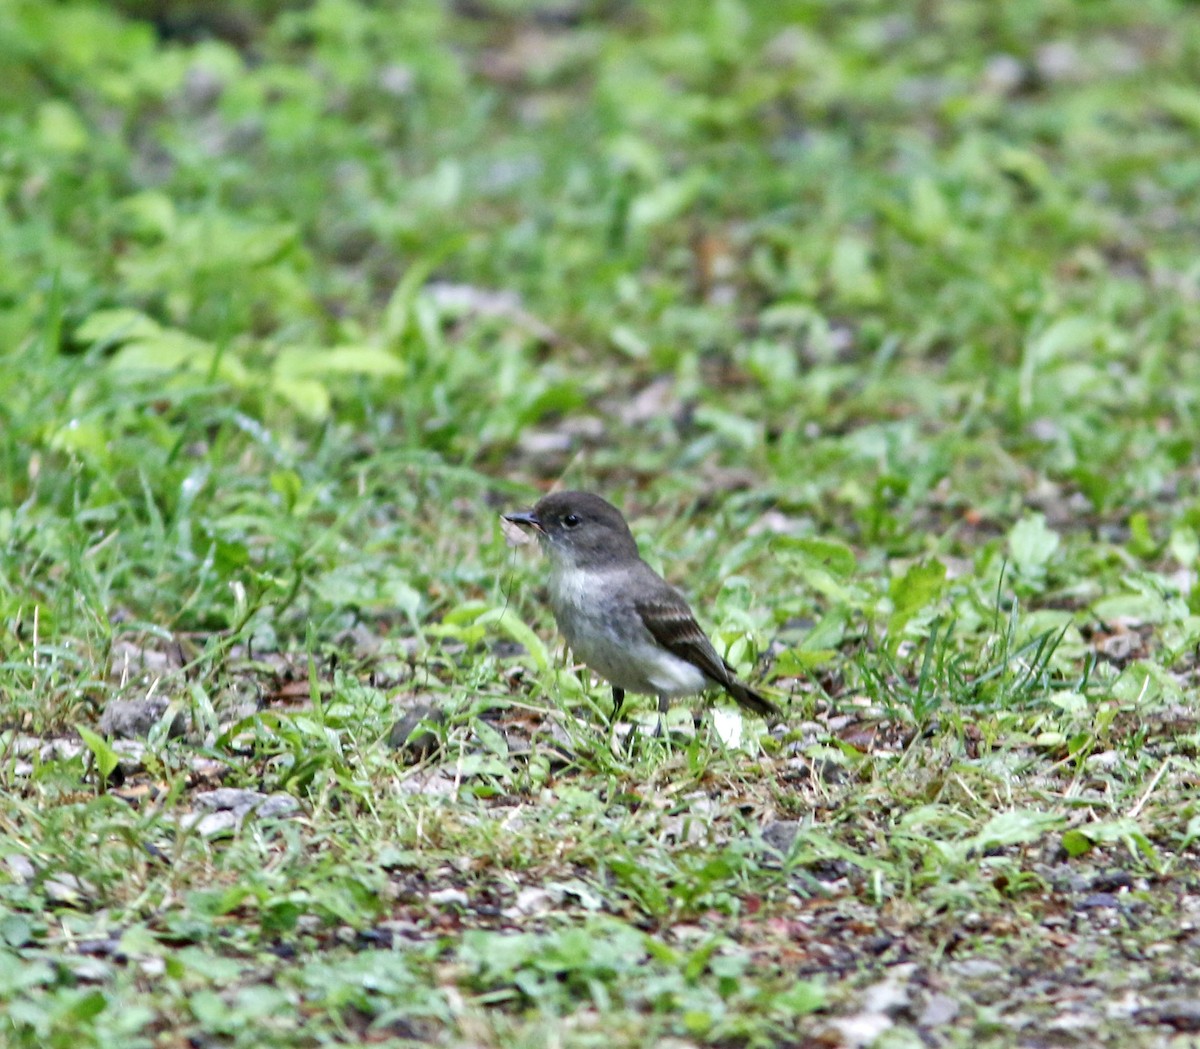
(618, 705)
(663, 705)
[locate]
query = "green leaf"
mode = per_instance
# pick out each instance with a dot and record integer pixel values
(308, 396)
(368, 585)
(60, 129)
(665, 201)
(89, 1006)
(1013, 828)
(835, 558)
(1181, 102)
(299, 363)
(288, 484)
(851, 272)
(802, 998)
(1146, 607)
(738, 430)
(171, 350)
(117, 326)
(88, 440)
(508, 622)
(919, 587)
(490, 738)
(1031, 545)
(1076, 843)
(1141, 538)
(796, 662)
(15, 930)
(1119, 831)
(105, 757)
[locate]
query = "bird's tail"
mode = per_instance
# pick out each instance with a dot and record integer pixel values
(751, 700)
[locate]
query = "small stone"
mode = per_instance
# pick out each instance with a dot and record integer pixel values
(1182, 1014)
(61, 750)
(152, 966)
(862, 1030)
(212, 823)
(228, 798)
(1119, 647)
(1059, 61)
(545, 443)
(1048, 430)
(20, 868)
(397, 80)
(533, 900)
(449, 897)
(134, 718)
(66, 888)
(227, 807)
(976, 968)
(1003, 74)
(940, 1009)
(892, 995)
(780, 834)
(277, 806)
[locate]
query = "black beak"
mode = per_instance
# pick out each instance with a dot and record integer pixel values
(526, 519)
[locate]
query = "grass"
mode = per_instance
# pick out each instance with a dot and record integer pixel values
(876, 320)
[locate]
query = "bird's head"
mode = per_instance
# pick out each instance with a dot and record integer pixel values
(578, 530)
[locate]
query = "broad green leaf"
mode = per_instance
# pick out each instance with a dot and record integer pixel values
(1184, 545)
(509, 623)
(666, 200)
(289, 485)
(60, 129)
(117, 326)
(1076, 843)
(1146, 607)
(918, 588)
(1031, 545)
(299, 363)
(1013, 828)
(309, 397)
(795, 662)
(738, 430)
(802, 998)
(851, 271)
(1119, 831)
(490, 738)
(1181, 102)
(364, 585)
(88, 440)
(171, 350)
(836, 558)
(106, 758)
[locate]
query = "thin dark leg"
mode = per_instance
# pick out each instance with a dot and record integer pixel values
(618, 704)
(663, 705)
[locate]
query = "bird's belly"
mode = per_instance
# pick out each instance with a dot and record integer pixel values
(617, 647)
(637, 666)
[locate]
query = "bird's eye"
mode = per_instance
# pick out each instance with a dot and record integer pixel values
(571, 520)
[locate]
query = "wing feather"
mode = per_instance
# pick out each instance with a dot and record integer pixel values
(672, 624)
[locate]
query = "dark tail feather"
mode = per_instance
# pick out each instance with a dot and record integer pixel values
(751, 700)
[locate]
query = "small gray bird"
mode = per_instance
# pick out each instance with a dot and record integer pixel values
(618, 615)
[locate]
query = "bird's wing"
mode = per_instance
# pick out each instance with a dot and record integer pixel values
(671, 623)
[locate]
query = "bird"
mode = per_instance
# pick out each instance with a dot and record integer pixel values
(618, 615)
